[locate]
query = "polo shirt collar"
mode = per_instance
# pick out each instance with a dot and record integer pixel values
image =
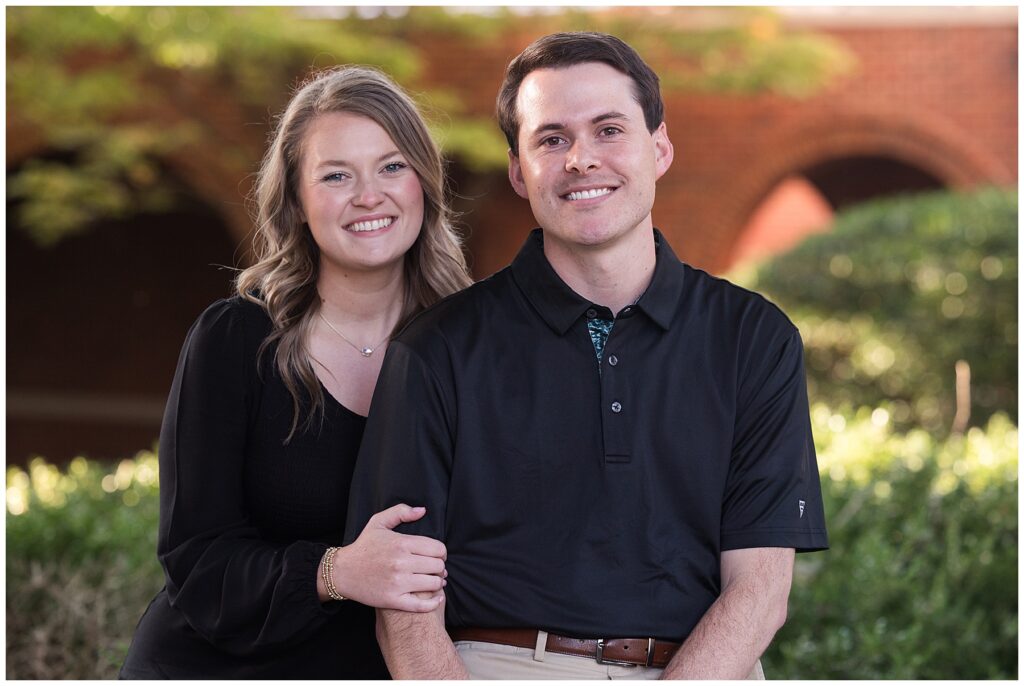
(560, 306)
(661, 299)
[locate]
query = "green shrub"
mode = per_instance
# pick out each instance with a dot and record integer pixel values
(896, 293)
(920, 582)
(921, 578)
(81, 565)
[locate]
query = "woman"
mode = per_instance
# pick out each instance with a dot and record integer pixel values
(268, 404)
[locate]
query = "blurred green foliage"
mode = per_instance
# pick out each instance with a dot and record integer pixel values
(920, 581)
(111, 93)
(896, 293)
(921, 578)
(81, 565)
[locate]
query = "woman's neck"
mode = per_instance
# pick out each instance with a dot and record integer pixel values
(367, 302)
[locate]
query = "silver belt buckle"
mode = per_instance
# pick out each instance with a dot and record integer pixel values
(602, 660)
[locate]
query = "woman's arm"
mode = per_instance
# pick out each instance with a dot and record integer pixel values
(239, 591)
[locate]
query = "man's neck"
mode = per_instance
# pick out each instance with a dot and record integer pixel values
(614, 275)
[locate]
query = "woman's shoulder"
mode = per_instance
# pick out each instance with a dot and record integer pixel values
(235, 306)
(231, 322)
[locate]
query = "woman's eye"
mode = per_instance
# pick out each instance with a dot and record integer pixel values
(394, 167)
(335, 176)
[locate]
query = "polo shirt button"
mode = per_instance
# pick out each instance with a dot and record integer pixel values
(591, 313)
(616, 407)
(612, 360)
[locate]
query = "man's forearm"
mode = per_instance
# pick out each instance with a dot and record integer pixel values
(740, 625)
(416, 646)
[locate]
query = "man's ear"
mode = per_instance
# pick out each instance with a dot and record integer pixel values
(515, 175)
(663, 151)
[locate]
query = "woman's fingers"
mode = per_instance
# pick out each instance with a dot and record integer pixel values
(425, 546)
(425, 583)
(395, 515)
(402, 513)
(420, 602)
(419, 564)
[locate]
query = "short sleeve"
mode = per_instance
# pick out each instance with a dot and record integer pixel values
(406, 453)
(773, 492)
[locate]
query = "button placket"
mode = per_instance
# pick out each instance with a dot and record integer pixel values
(614, 402)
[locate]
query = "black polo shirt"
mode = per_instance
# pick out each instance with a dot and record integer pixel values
(584, 503)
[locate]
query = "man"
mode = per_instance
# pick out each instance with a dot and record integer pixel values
(614, 447)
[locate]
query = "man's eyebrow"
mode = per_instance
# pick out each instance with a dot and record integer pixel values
(553, 126)
(558, 126)
(608, 115)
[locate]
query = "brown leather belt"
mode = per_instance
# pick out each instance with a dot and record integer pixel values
(643, 652)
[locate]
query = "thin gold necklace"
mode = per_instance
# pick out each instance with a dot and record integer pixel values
(364, 351)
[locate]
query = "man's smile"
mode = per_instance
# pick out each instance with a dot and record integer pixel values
(588, 194)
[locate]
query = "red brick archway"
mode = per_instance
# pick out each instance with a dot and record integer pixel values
(927, 150)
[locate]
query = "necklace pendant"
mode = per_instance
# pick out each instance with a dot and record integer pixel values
(366, 352)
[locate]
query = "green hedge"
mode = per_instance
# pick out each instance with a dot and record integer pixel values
(921, 580)
(898, 291)
(81, 565)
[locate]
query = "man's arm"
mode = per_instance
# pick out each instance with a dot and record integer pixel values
(406, 456)
(416, 646)
(738, 627)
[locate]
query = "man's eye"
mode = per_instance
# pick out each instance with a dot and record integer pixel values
(551, 141)
(610, 131)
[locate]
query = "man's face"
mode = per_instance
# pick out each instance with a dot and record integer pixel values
(586, 162)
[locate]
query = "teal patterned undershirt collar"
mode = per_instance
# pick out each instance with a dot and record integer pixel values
(599, 331)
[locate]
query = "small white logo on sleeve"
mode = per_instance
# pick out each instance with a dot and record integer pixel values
(801, 508)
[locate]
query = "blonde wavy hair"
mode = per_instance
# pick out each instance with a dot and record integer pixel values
(287, 260)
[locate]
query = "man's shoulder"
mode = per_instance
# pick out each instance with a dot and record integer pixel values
(459, 312)
(720, 298)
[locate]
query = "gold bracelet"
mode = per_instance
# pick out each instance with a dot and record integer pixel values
(323, 567)
(327, 567)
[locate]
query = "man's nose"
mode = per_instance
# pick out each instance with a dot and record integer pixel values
(581, 158)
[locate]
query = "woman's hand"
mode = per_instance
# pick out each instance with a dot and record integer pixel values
(386, 569)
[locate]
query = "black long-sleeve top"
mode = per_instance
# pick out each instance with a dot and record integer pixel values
(245, 519)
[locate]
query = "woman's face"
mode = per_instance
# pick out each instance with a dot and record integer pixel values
(360, 196)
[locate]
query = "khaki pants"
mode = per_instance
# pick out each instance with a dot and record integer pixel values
(495, 661)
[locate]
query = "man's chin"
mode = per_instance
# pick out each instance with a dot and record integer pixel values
(588, 236)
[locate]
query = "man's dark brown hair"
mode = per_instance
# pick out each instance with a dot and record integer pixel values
(568, 49)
